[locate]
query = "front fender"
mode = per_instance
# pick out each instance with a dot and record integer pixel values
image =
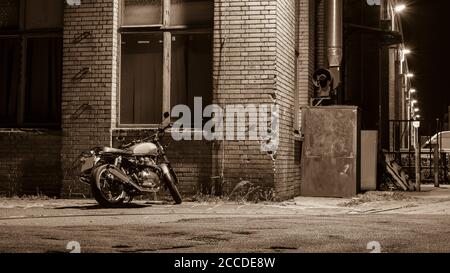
(169, 173)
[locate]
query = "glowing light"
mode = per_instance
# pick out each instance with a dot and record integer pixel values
(406, 51)
(399, 8)
(410, 75)
(416, 110)
(412, 91)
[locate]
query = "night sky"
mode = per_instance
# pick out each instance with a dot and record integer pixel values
(426, 26)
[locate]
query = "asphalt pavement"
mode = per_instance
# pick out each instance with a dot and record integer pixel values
(405, 222)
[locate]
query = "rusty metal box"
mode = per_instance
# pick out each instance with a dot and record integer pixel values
(331, 151)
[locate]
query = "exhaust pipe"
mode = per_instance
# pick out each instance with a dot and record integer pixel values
(124, 178)
(335, 38)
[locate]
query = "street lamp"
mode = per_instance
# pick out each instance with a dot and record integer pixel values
(412, 91)
(399, 8)
(406, 51)
(410, 75)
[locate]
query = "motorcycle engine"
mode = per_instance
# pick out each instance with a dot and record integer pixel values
(149, 179)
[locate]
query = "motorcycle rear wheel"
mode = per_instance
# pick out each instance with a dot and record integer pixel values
(107, 191)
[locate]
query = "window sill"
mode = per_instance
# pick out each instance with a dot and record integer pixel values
(150, 128)
(24, 131)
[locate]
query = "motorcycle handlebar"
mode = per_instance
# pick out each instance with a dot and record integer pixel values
(156, 136)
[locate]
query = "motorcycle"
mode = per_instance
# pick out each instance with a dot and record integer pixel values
(119, 175)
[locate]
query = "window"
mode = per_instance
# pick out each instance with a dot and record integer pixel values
(142, 63)
(9, 79)
(9, 14)
(43, 85)
(44, 14)
(187, 43)
(191, 74)
(30, 63)
(191, 12)
(142, 13)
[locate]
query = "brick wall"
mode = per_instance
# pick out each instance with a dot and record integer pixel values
(30, 163)
(307, 54)
(254, 59)
(287, 180)
(244, 73)
(88, 100)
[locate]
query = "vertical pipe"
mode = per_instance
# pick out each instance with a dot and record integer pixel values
(383, 11)
(335, 32)
(335, 39)
(436, 165)
(417, 155)
(167, 52)
(437, 154)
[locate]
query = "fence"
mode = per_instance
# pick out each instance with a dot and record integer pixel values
(402, 147)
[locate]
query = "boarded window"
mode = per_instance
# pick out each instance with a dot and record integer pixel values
(41, 14)
(9, 14)
(191, 12)
(142, 13)
(43, 85)
(141, 83)
(9, 79)
(191, 69)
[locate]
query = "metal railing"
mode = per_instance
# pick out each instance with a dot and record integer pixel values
(402, 147)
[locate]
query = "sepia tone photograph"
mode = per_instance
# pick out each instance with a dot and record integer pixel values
(224, 126)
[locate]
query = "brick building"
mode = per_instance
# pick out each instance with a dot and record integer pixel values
(80, 76)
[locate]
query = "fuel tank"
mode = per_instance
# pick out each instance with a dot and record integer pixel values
(145, 149)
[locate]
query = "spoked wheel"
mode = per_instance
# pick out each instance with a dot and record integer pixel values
(107, 190)
(171, 184)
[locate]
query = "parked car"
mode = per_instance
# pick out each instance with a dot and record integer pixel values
(441, 138)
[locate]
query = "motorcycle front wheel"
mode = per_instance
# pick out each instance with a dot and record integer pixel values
(170, 181)
(106, 189)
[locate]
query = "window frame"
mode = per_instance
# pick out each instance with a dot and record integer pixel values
(23, 34)
(122, 17)
(168, 31)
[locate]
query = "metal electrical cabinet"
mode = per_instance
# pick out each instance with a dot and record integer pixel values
(331, 151)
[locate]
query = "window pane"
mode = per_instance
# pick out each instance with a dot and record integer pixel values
(9, 79)
(191, 12)
(142, 12)
(9, 14)
(43, 80)
(191, 69)
(141, 83)
(44, 14)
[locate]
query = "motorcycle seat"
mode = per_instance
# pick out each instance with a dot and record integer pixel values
(109, 150)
